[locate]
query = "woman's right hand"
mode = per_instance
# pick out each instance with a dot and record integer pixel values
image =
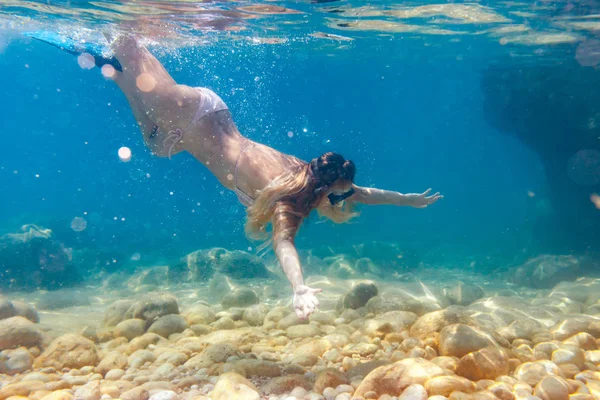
(305, 301)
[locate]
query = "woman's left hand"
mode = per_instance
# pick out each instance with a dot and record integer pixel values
(421, 200)
(305, 301)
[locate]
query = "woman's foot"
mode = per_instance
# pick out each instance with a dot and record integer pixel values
(100, 54)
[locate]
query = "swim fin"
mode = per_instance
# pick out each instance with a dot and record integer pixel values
(72, 47)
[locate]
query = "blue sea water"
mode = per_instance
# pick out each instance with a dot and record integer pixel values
(405, 104)
(132, 277)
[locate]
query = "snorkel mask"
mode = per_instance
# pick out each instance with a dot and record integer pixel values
(326, 177)
(336, 198)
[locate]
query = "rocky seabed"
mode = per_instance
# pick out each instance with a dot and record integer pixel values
(373, 342)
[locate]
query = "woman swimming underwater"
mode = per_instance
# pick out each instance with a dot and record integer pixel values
(276, 188)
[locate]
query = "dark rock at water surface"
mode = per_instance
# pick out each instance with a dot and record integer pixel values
(33, 259)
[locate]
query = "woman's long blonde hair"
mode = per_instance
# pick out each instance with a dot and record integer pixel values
(288, 199)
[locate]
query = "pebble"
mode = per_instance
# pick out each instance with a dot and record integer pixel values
(329, 378)
(486, 363)
(164, 395)
(168, 325)
(552, 388)
(459, 340)
(414, 392)
(114, 374)
(533, 372)
(15, 361)
(130, 328)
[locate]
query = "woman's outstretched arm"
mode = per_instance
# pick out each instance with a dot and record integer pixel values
(285, 226)
(378, 196)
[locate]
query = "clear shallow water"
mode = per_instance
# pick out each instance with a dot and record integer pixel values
(417, 94)
(494, 104)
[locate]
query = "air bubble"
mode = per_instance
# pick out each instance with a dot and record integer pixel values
(78, 224)
(145, 82)
(108, 71)
(86, 61)
(588, 53)
(595, 200)
(124, 154)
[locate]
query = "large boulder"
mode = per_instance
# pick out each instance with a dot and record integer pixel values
(152, 307)
(19, 331)
(359, 295)
(33, 259)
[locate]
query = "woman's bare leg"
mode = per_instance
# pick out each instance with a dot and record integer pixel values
(158, 103)
(162, 107)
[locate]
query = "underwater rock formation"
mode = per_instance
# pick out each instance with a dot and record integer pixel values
(370, 258)
(546, 271)
(214, 265)
(552, 110)
(238, 264)
(201, 265)
(34, 259)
